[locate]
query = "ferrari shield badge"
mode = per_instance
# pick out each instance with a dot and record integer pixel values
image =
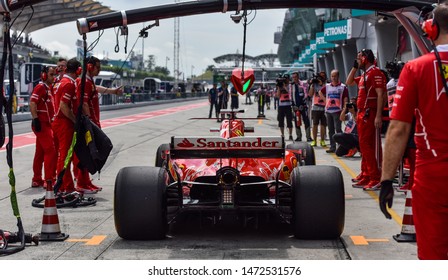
(243, 84)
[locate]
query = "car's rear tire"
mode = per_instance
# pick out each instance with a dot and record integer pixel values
(140, 210)
(160, 155)
(310, 157)
(318, 202)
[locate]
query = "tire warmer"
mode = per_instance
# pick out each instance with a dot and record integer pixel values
(20, 236)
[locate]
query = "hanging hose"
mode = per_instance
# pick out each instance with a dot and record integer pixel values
(244, 44)
(7, 57)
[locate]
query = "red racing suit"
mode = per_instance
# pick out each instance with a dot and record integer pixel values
(369, 137)
(63, 127)
(45, 149)
(420, 93)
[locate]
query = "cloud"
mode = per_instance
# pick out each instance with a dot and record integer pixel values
(202, 37)
(63, 49)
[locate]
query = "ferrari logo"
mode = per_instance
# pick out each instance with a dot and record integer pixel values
(439, 86)
(445, 71)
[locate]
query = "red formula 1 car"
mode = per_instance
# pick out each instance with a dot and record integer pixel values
(232, 174)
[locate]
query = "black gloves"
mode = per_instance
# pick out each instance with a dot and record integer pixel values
(386, 197)
(36, 124)
(355, 64)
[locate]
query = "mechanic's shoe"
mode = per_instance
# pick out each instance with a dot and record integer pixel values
(290, 138)
(323, 144)
(351, 152)
(298, 139)
(37, 184)
(313, 143)
(357, 178)
(309, 139)
(362, 183)
(95, 187)
(406, 187)
(373, 186)
(331, 150)
(85, 190)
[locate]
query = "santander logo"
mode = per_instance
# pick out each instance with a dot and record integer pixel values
(185, 144)
(232, 143)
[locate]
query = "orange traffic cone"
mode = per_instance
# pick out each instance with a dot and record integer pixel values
(407, 230)
(50, 221)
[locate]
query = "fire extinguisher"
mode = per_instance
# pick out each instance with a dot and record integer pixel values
(298, 118)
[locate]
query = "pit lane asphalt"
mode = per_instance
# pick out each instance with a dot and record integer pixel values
(135, 144)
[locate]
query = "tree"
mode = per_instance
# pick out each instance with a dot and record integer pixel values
(210, 68)
(162, 70)
(151, 62)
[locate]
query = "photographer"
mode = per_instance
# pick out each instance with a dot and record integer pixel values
(318, 108)
(348, 140)
(284, 107)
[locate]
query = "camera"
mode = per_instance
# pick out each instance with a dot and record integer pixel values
(236, 18)
(314, 80)
(280, 82)
(394, 68)
(351, 105)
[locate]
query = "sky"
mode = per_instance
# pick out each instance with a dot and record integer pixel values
(202, 37)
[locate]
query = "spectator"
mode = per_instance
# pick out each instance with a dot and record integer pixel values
(212, 99)
(424, 96)
(223, 97)
(299, 95)
(248, 97)
(234, 98)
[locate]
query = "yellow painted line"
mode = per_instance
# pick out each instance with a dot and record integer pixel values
(360, 240)
(95, 240)
(260, 121)
(348, 196)
(397, 218)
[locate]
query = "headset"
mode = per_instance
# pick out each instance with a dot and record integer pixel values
(44, 74)
(79, 71)
(90, 64)
(431, 28)
(367, 55)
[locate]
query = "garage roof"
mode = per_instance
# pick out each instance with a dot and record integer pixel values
(52, 12)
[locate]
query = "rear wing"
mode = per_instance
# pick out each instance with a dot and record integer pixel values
(217, 147)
